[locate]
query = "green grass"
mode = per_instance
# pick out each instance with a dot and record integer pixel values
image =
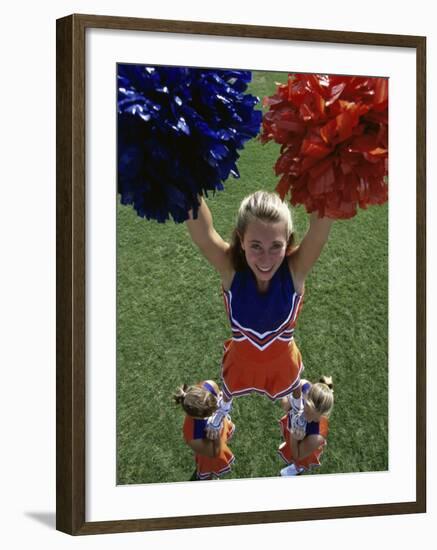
(171, 325)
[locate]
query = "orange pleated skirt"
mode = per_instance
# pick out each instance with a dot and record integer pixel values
(285, 451)
(274, 372)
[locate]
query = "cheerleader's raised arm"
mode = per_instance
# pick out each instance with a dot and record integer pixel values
(302, 259)
(210, 243)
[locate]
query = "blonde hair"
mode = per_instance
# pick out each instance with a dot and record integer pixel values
(321, 396)
(196, 401)
(265, 206)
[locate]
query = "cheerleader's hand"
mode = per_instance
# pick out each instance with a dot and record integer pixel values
(298, 434)
(215, 421)
(297, 425)
(213, 426)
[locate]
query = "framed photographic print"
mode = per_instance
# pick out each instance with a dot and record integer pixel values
(153, 303)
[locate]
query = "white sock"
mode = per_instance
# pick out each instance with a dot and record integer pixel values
(296, 403)
(225, 406)
(215, 420)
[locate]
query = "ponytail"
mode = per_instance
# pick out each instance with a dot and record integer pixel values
(180, 394)
(321, 396)
(196, 401)
(327, 380)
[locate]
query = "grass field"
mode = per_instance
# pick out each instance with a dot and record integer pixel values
(171, 325)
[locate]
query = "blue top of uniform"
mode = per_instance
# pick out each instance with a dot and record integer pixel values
(260, 317)
(199, 427)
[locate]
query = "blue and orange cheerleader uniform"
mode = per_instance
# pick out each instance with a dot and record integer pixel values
(262, 355)
(312, 428)
(207, 467)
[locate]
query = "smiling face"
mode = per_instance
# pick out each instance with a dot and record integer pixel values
(264, 245)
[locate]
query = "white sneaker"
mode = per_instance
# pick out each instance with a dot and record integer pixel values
(290, 471)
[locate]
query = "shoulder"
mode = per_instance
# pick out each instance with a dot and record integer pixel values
(298, 281)
(227, 278)
(227, 271)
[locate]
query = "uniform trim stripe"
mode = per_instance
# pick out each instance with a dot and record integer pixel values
(263, 340)
(226, 469)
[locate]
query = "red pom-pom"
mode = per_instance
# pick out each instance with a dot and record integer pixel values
(333, 132)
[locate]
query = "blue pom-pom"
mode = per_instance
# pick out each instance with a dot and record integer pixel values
(179, 132)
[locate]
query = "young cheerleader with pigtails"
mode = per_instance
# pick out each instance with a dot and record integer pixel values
(213, 457)
(263, 277)
(304, 441)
